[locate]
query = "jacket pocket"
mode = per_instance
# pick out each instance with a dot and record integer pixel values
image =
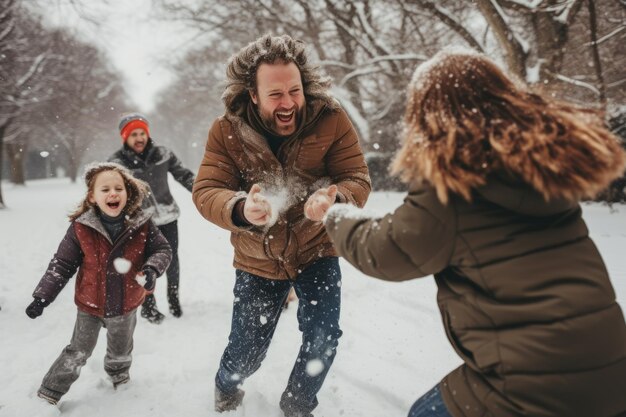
(87, 294)
(487, 356)
(134, 293)
(478, 348)
(465, 354)
(251, 245)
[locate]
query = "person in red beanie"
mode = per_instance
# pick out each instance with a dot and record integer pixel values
(151, 163)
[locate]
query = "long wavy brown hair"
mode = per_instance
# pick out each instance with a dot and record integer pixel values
(136, 189)
(466, 119)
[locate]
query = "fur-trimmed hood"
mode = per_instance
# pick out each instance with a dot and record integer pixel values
(92, 219)
(246, 132)
(242, 68)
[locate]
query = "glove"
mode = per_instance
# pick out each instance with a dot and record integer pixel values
(150, 279)
(35, 308)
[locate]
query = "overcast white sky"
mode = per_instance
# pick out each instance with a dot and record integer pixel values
(138, 44)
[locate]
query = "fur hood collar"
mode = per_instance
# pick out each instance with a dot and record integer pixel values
(247, 133)
(92, 219)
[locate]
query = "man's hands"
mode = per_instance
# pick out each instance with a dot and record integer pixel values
(257, 209)
(319, 202)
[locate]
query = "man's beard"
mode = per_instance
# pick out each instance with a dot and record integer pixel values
(269, 120)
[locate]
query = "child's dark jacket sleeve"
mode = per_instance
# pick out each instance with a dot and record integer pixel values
(62, 267)
(158, 251)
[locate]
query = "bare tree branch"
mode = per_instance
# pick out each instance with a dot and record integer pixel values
(597, 64)
(608, 35)
(345, 26)
(514, 52)
(577, 83)
(616, 83)
(6, 31)
(520, 6)
(34, 68)
(448, 19)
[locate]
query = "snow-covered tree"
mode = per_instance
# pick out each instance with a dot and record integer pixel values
(57, 94)
(81, 116)
(22, 65)
(184, 110)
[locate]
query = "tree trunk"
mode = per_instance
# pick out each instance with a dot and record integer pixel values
(72, 164)
(15, 154)
(515, 55)
(597, 63)
(3, 128)
(349, 51)
(552, 35)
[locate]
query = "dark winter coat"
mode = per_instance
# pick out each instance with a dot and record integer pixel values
(100, 289)
(524, 295)
(236, 157)
(152, 167)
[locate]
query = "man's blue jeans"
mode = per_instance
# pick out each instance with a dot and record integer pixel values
(430, 405)
(256, 310)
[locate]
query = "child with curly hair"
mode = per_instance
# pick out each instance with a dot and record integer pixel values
(118, 253)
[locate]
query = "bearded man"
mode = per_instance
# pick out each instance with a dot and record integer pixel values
(280, 156)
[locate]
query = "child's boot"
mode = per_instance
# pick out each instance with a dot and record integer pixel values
(120, 379)
(149, 310)
(49, 395)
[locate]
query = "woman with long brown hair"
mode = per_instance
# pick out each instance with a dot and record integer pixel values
(495, 173)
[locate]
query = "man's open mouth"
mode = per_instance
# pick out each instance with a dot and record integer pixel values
(285, 116)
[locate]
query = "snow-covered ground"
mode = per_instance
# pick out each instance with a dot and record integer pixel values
(392, 351)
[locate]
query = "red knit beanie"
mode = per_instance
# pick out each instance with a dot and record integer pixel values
(131, 122)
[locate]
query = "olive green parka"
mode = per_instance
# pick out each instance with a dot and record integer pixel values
(524, 296)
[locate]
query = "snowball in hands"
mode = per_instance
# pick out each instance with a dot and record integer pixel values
(319, 202)
(257, 209)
